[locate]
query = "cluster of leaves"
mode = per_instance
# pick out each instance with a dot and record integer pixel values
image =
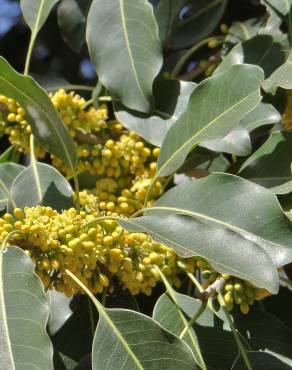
(224, 118)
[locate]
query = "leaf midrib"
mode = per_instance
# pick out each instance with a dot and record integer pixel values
(187, 212)
(202, 130)
(124, 26)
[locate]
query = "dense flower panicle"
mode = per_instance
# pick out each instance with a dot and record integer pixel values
(98, 253)
(104, 146)
(101, 253)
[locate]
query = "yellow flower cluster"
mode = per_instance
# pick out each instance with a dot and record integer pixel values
(242, 293)
(98, 253)
(235, 291)
(104, 147)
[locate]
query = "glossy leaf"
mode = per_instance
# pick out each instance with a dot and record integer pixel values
(35, 12)
(217, 345)
(24, 312)
(270, 165)
(236, 204)
(237, 142)
(72, 22)
(128, 340)
(282, 77)
(8, 172)
(171, 101)
(189, 237)
(197, 20)
(242, 31)
(273, 23)
(213, 111)
(41, 183)
(60, 310)
(281, 6)
(128, 31)
(47, 126)
(260, 50)
(263, 114)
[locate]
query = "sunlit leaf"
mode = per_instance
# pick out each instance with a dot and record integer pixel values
(8, 172)
(171, 98)
(122, 38)
(41, 183)
(263, 114)
(189, 237)
(47, 126)
(212, 112)
(270, 165)
(282, 77)
(236, 204)
(24, 312)
(35, 12)
(129, 340)
(260, 50)
(237, 142)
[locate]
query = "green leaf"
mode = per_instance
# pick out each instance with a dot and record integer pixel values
(237, 142)
(129, 340)
(166, 13)
(212, 112)
(24, 312)
(282, 77)
(242, 31)
(263, 114)
(260, 361)
(41, 183)
(35, 12)
(217, 345)
(189, 237)
(72, 22)
(187, 331)
(122, 38)
(8, 172)
(270, 165)
(171, 98)
(260, 50)
(199, 20)
(60, 310)
(235, 204)
(281, 6)
(9, 155)
(47, 126)
(273, 24)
